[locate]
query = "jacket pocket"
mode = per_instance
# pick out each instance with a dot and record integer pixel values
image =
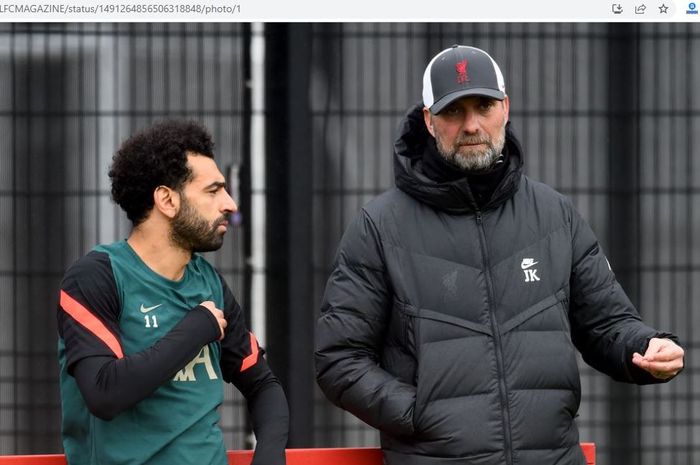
(452, 380)
(533, 311)
(539, 358)
(399, 351)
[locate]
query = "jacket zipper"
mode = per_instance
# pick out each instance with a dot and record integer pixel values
(502, 388)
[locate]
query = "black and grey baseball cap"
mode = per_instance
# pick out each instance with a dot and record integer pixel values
(460, 71)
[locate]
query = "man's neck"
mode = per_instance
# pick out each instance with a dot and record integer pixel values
(156, 250)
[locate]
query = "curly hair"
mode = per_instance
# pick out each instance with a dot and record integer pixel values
(155, 156)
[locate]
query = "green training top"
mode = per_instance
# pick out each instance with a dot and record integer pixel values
(116, 301)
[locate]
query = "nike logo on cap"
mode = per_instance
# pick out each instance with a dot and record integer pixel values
(528, 263)
(148, 309)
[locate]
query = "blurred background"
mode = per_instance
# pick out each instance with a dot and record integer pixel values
(304, 117)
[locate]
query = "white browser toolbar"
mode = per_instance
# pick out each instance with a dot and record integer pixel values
(346, 10)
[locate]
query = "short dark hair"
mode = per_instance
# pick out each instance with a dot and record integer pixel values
(155, 156)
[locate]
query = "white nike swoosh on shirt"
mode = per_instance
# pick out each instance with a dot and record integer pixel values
(148, 309)
(525, 266)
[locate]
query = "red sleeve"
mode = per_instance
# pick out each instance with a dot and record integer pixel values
(242, 364)
(88, 310)
(242, 361)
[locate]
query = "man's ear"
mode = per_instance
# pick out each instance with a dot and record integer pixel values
(166, 201)
(427, 117)
(506, 107)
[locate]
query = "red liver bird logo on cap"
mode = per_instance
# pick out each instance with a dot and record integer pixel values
(461, 68)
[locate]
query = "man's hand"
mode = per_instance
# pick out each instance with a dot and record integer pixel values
(663, 358)
(218, 314)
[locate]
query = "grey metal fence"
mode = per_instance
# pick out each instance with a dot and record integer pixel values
(70, 95)
(608, 114)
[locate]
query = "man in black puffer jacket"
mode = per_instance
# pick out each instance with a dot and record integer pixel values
(458, 299)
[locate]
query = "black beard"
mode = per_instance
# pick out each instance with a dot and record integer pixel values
(192, 232)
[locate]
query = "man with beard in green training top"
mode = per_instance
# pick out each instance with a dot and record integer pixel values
(149, 329)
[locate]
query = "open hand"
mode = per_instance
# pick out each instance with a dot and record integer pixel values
(663, 358)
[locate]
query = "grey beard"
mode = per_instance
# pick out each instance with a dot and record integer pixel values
(480, 162)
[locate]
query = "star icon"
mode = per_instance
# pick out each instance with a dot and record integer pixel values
(663, 9)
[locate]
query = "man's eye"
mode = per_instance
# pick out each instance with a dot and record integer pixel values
(486, 104)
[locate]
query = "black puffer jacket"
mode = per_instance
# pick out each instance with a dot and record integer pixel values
(453, 330)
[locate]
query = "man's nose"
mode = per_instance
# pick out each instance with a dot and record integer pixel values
(230, 205)
(471, 122)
